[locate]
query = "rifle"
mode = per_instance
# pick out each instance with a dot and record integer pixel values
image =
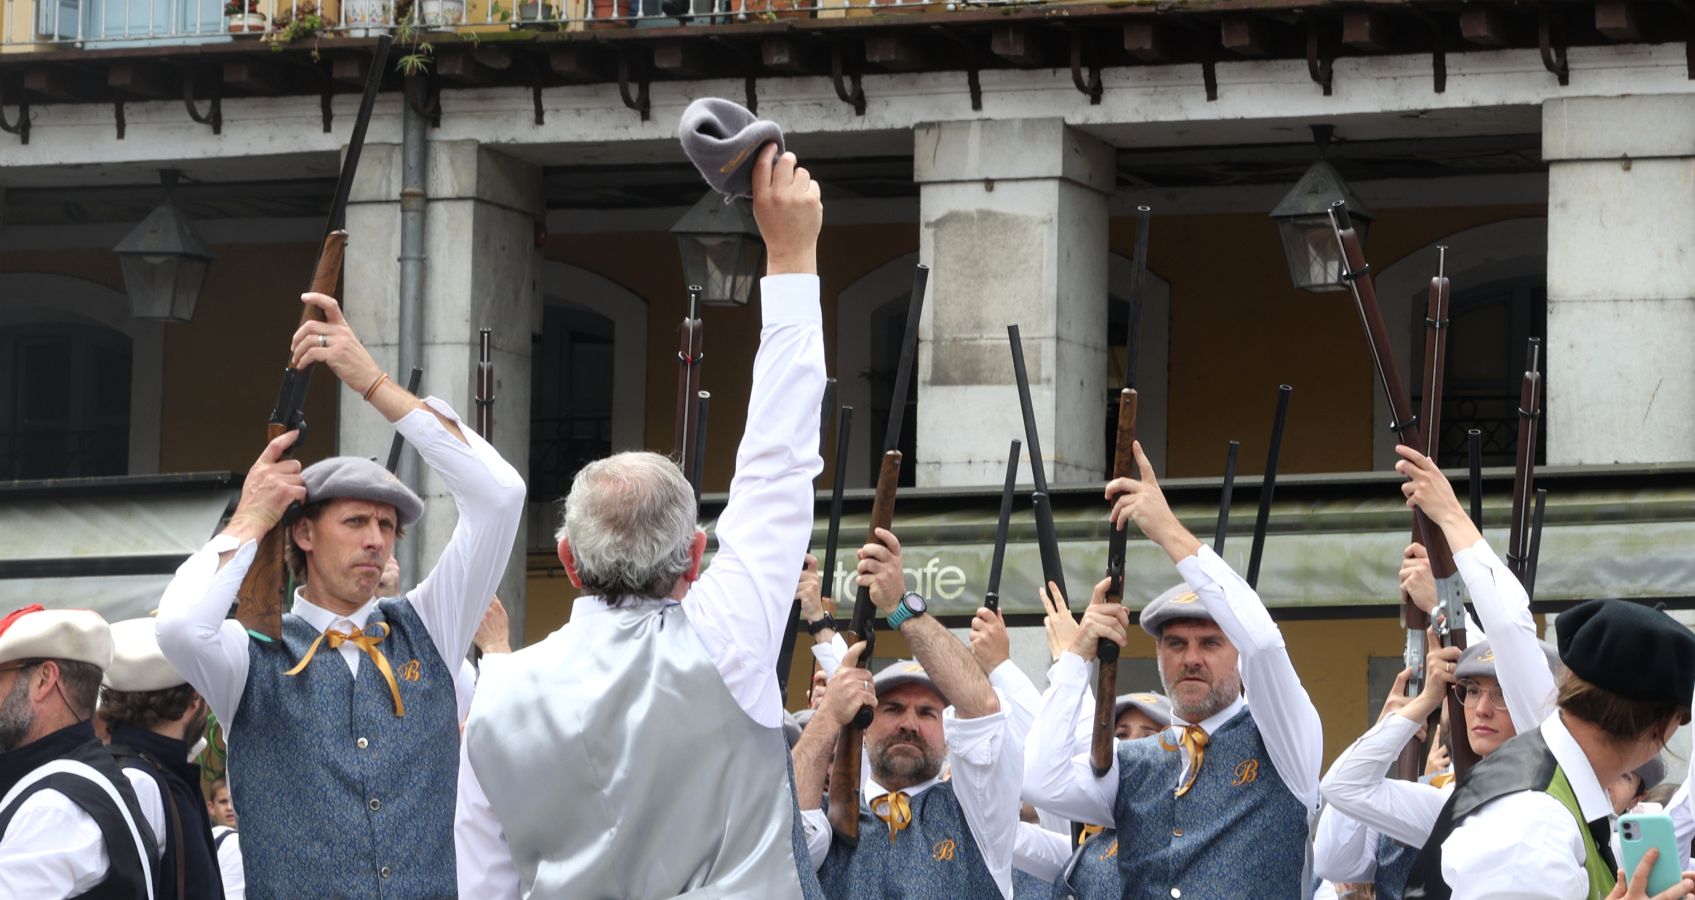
(1524, 461)
(1268, 484)
(1474, 458)
(1051, 568)
(1123, 466)
(1535, 544)
(844, 430)
(485, 388)
(1225, 495)
(690, 336)
(844, 769)
(1409, 430)
(412, 382)
(992, 593)
(260, 597)
(697, 444)
(786, 651)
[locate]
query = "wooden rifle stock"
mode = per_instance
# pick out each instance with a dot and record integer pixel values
(259, 600)
(844, 769)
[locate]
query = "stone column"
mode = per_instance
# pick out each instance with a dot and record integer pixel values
(1014, 227)
(481, 270)
(1621, 278)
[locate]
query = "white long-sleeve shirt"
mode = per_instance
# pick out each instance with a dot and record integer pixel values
(211, 651)
(1062, 781)
(1040, 852)
(1343, 849)
(985, 759)
(230, 867)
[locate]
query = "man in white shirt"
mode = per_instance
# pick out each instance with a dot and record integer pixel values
(1216, 806)
(70, 824)
(918, 834)
(343, 733)
(638, 751)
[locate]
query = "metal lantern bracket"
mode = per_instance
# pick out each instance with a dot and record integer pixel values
(854, 98)
(1319, 62)
(1551, 40)
(214, 115)
(1091, 88)
(640, 102)
(972, 82)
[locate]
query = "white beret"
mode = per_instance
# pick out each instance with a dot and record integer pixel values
(137, 662)
(1180, 602)
(37, 633)
(357, 478)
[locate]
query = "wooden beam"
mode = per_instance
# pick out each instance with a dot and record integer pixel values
(1147, 41)
(579, 64)
(477, 65)
(1618, 20)
(1367, 32)
(258, 76)
(894, 52)
(680, 59)
(63, 84)
(144, 80)
(792, 55)
(1021, 47)
(1485, 26)
(1245, 36)
(350, 69)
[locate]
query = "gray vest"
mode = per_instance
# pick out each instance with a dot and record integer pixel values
(935, 856)
(1238, 832)
(1092, 873)
(339, 796)
(620, 766)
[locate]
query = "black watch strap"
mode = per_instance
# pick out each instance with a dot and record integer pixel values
(828, 621)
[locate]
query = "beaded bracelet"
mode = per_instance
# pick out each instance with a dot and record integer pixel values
(370, 391)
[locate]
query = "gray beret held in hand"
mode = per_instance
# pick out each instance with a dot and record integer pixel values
(723, 140)
(357, 478)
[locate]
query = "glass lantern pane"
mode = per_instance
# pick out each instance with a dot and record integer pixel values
(1309, 245)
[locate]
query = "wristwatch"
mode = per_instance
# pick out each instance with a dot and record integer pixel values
(828, 621)
(911, 607)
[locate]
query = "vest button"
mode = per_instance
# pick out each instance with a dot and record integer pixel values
(384, 872)
(1176, 894)
(1176, 832)
(376, 804)
(362, 743)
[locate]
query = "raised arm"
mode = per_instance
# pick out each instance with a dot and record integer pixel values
(740, 605)
(1500, 600)
(1343, 850)
(1057, 774)
(1287, 719)
(849, 689)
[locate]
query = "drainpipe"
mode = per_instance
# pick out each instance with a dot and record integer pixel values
(414, 156)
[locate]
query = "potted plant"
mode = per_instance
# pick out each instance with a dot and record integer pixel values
(362, 18)
(302, 21)
(243, 16)
(441, 14)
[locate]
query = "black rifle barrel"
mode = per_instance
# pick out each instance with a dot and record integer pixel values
(1269, 485)
(412, 382)
(698, 464)
(356, 143)
(1535, 551)
(992, 593)
(908, 358)
(1138, 288)
(1047, 541)
(1032, 440)
(826, 413)
(1474, 455)
(844, 428)
(1225, 496)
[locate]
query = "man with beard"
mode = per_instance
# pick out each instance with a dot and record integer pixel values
(1217, 805)
(70, 825)
(950, 838)
(344, 734)
(151, 712)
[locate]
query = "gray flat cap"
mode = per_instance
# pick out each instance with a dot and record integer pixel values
(791, 729)
(803, 717)
(723, 139)
(1479, 660)
(1180, 602)
(1152, 705)
(357, 478)
(904, 672)
(1652, 773)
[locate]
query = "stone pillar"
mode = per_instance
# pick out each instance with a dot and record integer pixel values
(1621, 279)
(1014, 227)
(481, 270)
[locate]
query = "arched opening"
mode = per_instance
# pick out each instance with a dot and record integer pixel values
(67, 411)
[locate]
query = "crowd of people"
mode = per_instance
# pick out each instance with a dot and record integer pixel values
(643, 750)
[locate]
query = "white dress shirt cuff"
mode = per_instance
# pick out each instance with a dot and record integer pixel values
(791, 298)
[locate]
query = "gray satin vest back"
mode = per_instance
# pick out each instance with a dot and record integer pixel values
(620, 766)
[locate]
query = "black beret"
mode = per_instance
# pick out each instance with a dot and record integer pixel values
(1632, 650)
(723, 139)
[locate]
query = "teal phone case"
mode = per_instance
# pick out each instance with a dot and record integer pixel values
(1638, 832)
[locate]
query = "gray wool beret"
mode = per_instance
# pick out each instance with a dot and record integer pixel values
(1180, 602)
(1152, 705)
(1478, 660)
(723, 139)
(1652, 773)
(357, 478)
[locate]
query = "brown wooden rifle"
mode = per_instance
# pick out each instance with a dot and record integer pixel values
(844, 769)
(1524, 462)
(260, 597)
(690, 338)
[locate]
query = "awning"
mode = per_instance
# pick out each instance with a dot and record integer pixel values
(106, 544)
(1334, 543)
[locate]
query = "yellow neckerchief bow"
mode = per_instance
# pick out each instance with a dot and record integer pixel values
(896, 811)
(1088, 831)
(365, 642)
(1442, 779)
(1193, 740)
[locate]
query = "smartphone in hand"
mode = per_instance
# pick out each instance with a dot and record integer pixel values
(1640, 831)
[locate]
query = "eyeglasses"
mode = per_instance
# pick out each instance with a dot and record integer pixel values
(1471, 694)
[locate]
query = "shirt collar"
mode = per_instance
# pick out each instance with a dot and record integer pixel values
(588, 606)
(1592, 797)
(1212, 723)
(322, 619)
(873, 790)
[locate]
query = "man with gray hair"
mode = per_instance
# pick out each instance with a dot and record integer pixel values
(638, 751)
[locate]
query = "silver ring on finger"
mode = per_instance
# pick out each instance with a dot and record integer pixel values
(323, 341)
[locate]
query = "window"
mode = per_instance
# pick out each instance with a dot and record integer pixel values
(888, 330)
(1485, 371)
(66, 413)
(570, 398)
